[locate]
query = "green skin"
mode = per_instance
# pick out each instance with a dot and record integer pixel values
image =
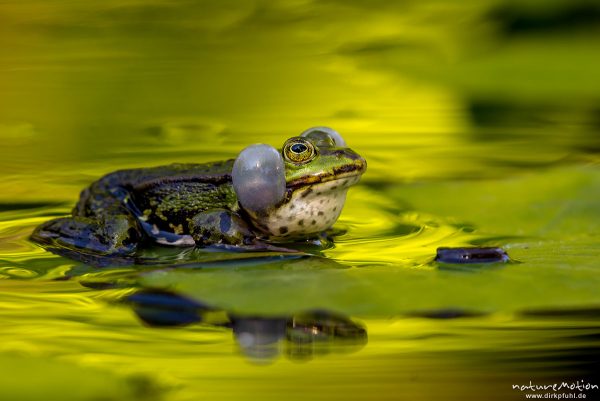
(178, 203)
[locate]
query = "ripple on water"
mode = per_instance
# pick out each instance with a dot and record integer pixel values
(20, 258)
(378, 231)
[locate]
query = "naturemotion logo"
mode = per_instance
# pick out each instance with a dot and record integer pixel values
(562, 390)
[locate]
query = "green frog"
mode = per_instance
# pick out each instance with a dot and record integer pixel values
(265, 196)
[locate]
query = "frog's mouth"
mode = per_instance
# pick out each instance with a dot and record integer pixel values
(355, 169)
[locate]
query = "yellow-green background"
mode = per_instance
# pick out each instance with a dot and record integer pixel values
(479, 121)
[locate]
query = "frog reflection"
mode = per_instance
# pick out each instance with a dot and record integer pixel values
(300, 336)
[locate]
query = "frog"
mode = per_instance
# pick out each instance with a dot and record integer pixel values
(257, 201)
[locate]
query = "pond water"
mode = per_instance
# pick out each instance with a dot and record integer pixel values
(479, 122)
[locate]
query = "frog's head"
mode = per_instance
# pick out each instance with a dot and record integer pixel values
(300, 189)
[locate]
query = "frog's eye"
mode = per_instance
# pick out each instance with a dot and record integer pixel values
(324, 136)
(258, 177)
(298, 150)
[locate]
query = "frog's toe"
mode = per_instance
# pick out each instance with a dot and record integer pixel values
(57, 229)
(113, 237)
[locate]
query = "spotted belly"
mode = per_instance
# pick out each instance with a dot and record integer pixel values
(310, 210)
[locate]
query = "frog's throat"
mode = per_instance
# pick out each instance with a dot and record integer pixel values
(306, 211)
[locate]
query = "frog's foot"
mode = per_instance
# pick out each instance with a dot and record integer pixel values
(115, 236)
(223, 229)
(220, 226)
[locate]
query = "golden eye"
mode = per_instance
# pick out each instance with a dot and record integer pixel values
(298, 150)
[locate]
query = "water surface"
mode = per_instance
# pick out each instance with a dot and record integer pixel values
(479, 122)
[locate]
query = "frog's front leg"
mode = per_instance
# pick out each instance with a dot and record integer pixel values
(116, 235)
(220, 226)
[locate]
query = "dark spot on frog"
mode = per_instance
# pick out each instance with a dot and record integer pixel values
(335, 208)
(321, 201)
(333, 188)
(283, 230)
(301, 223)
(292, 206)
(321, 213)
(306, 193)
(314, 222)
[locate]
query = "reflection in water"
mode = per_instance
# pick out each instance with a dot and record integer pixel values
(299, 336)
(443, 355)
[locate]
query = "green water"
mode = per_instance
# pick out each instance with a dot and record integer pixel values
(479, 122)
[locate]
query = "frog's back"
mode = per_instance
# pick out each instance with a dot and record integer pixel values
(164, 198)
(141, 178)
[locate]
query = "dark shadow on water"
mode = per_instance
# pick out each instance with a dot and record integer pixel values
(515, 20)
